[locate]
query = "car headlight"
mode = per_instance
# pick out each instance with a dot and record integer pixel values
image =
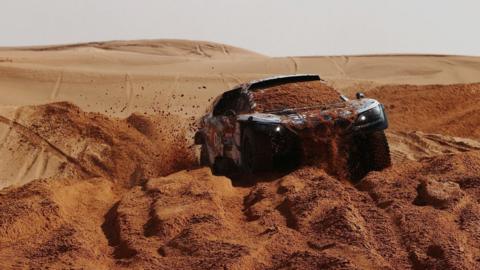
(373, 114)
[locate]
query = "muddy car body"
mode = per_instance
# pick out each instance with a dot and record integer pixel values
(280, 120)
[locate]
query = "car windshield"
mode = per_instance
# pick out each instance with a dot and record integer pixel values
(294, 95)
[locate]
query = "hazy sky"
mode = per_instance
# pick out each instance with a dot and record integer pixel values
(273, 27)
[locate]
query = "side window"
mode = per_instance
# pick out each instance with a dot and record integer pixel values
(227, 102)
(220, 107)
(242, 105)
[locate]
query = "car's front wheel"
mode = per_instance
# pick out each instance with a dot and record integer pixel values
(369, 152)
(379, 151)
(220, 166)
(257, 153)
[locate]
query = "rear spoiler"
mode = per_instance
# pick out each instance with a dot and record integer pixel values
(278, 80)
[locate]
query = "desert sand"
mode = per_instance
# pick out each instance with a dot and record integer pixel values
(98, 169)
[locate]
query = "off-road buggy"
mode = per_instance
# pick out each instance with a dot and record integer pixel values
(282, 121)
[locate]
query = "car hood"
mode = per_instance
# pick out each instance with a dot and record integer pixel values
(300, 118)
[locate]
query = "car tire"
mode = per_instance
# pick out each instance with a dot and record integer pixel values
(368, 153)
(221, 166)
(379, 151)
(257, 153)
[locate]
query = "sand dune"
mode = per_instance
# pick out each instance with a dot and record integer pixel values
(98, 171)
(119, 78)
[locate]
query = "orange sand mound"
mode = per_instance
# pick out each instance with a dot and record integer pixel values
(59, 140)
(55, 223)
(415, 215)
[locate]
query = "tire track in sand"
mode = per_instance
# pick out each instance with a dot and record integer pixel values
(201, 52)
(225, 50)
(5, 135)
(29, 163)
(128, 93)
(295, 64)
(56, 87)
(42, 164)
(227, 80)
(339, 68)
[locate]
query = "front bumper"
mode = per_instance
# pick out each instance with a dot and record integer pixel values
(326, 126)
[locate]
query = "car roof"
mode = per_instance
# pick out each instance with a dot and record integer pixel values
(277, 80)
(265, 83)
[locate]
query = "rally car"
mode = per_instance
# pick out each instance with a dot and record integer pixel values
(283, 120)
